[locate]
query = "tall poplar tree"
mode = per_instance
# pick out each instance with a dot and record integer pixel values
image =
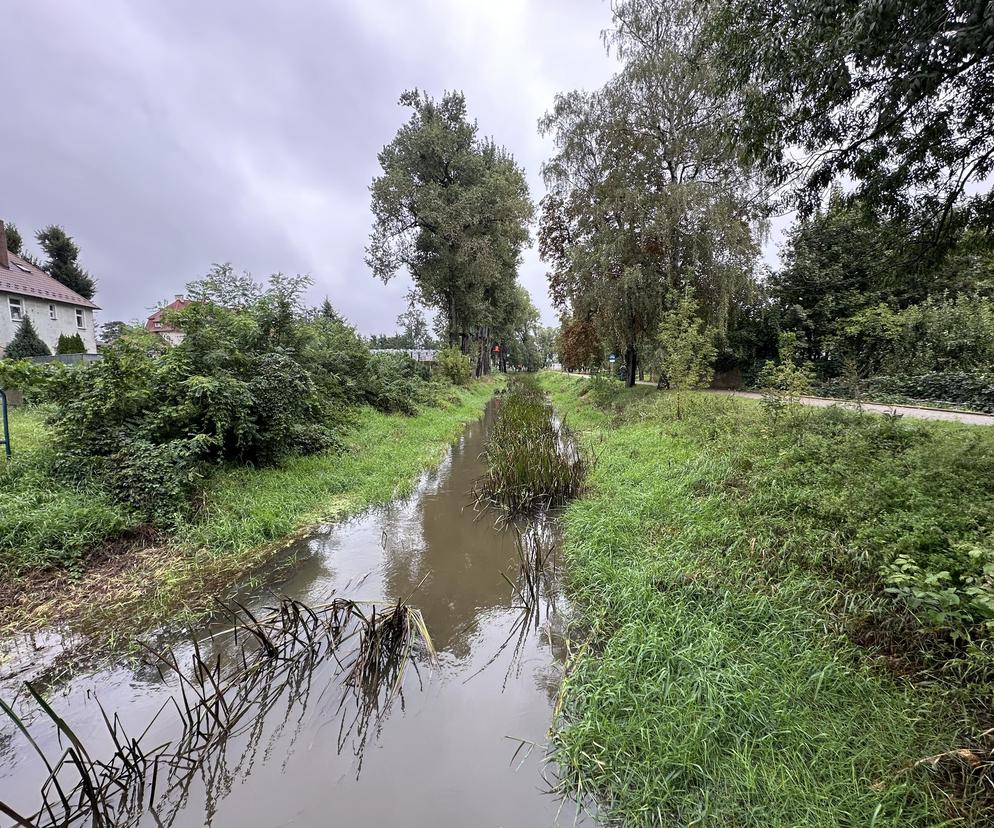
(453, 210)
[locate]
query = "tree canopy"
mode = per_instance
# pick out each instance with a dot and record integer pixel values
(648, 190)
(894, 94)
(452, 209)
(15, 242)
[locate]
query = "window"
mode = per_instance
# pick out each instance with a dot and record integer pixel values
(16, 309)
(80, 319)
(51, 312)
(158, 324)
(22, 267)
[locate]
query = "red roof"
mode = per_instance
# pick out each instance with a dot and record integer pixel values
(177, 304)
(24, 278)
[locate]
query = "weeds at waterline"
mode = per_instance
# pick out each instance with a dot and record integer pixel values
(533, 460)
(219, 698)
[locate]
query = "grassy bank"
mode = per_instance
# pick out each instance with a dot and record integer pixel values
(748, 659)
(97, 572)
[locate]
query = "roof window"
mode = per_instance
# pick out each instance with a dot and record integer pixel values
(22, 267)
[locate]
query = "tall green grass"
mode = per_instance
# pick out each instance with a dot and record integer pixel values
(720, 680)
(45, 522)
(532, 459)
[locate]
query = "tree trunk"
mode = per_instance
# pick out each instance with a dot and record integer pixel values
(631, 359)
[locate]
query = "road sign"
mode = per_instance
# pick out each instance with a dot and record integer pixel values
(611, 359)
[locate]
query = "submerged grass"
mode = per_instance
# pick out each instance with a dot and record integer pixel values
(244, 515)
(720, 681)
(532, 460)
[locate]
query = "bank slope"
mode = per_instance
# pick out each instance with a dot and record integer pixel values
(244, 516)
(716, 683)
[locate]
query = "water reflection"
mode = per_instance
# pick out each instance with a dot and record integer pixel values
(455, 749)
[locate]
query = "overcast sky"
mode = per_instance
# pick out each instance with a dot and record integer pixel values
(165, 136)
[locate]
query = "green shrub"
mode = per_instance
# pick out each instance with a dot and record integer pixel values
(256, 379)
(26, 342)
(70, 344)
(938, 335)
(394, 384)
(157, 479)
(339, 362)
(951, 587)
(603, 390)
(454, 365)
(967, 390)
(251, 383)
(787, 380)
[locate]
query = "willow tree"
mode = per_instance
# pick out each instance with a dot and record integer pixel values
(648, 190)
(896, 96)
(453, 210)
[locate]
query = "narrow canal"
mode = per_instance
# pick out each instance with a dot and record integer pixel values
(464, 744)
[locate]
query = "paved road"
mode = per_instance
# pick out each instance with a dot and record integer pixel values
(883, 408)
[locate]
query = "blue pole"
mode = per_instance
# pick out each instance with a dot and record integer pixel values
(6, 426)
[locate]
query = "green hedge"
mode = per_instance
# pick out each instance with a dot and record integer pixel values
(966, 390)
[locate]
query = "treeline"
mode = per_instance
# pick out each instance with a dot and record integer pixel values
(873, 123)
(258, 377)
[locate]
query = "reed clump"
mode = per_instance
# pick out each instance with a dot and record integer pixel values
(533, 459)
(272, 658)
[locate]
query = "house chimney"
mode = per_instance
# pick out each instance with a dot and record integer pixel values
(4, 258)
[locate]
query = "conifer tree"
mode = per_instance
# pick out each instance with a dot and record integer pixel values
(26, 343)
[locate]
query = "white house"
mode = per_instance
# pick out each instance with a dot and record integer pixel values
(28, 292)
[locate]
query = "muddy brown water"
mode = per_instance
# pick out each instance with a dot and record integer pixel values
(465, 746)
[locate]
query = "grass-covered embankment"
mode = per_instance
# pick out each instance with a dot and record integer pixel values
(74, 556)
(744, 662)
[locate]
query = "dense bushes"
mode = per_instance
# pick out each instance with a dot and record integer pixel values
(257, 378)
(70, 344)
(395, 384)
(454, 365)
(966, 390)
(937, 335)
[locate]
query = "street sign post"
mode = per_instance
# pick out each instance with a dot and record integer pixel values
(6, 426)
(612, 359)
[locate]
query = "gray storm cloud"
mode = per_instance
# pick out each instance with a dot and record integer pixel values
(167, 136)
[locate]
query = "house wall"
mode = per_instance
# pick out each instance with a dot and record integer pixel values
(48, 329)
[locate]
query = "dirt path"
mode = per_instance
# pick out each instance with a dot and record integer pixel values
(917, 412)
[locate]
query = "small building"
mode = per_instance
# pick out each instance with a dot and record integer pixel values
(417, 354)
(168, 332)
(28, 292)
